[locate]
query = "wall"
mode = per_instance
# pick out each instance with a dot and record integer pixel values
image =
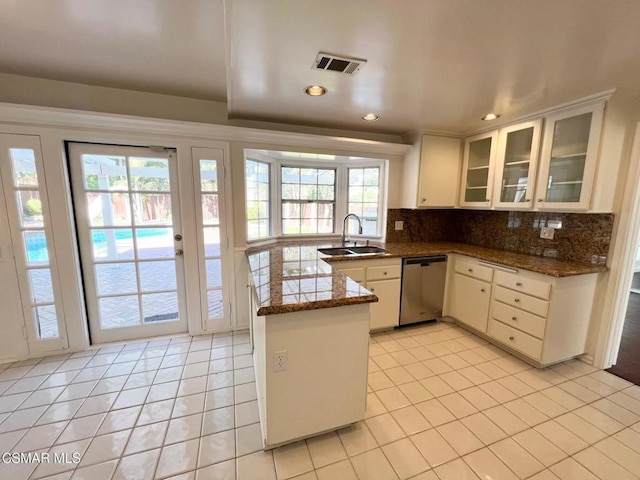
(581, 236)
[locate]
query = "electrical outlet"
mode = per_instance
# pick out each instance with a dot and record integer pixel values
(547, 232)
(280, 360)
(399, 225)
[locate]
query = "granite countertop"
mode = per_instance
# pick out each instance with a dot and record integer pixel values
(294, 276)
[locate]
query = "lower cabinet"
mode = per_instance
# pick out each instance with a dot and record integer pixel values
(540, 317)
(382, 278)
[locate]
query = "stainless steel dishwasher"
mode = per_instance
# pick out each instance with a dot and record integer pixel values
(422, 288)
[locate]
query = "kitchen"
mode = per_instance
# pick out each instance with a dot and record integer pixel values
(199, 176)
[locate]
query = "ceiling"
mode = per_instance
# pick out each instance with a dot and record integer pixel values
(434, 65)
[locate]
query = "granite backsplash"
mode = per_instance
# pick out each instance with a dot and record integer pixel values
(581, 236)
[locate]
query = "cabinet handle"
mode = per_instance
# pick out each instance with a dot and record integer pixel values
(511, 338)
(517, 300)
(518, 284)
(482, 290)
(471, 269)
(514, 318)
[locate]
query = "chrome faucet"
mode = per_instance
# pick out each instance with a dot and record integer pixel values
(344, 226)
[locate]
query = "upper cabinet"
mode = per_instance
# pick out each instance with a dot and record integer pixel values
(516, 164)
(431, 172)
(568, 159)
(477, 170)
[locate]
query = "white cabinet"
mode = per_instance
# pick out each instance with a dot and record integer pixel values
(543, 318)
(569, 157)
(516, 164)
(431, 172)
(477, 170)
(470, 292)
(382, 278)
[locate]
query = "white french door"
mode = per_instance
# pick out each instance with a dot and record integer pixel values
(127, 211)
(25, 195)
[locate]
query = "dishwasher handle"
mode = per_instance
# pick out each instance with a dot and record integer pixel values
(424, 261)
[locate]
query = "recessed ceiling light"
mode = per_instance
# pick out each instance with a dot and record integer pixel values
(370, 117)
(491, 116)
(315, 90)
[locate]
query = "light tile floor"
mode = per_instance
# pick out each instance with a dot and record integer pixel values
(442, 404)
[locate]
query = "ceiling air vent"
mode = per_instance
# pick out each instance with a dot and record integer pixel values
(333, 63)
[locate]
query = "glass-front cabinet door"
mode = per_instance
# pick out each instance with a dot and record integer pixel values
(516, 165)
(569, 156)
(477, 172)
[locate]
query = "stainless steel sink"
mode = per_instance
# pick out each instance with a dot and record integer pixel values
(336, 251)
(367, 249)
(351, 250)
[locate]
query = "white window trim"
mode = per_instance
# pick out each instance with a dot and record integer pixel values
(341, 197)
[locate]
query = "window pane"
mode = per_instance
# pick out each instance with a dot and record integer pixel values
(108, 209)
(212, 241)
(156, 276)
(371, 176)
(209, 175)
(214, 273)
(214, 301)
(290, 227)
(258, 199)
(119, 311)
(364, 197)
(23, 161)
(112, 244)
(149, 174)
(160, 307)
(104, 172)
(327, 177)
(30, 208)
(290, 175)
(40, 284)
(210, 209)
(116, 278)
(36, 248)
(152, 208)
(46, 321)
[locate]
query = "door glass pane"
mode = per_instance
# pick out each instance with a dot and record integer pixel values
(108, 209)
(46, 321)
(214, 273)
(30, 208)
(149, 174)
(35, 243)
(158, 307)
(105, 172)
(156, 276)
(209, 175)
(116, 278)
(112, 244)
(151, 208)
(214, 303)
(210, 209)
(212, 241)
(155, 243)
(41, 287)
(515, 175)
(118, 312)
(23, 162)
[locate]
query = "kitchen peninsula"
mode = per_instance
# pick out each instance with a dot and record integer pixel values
(310, 329)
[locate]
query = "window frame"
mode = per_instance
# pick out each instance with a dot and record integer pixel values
(341, 193)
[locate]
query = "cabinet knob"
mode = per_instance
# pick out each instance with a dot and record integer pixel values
(482, 290)
(539, 200)
(471, 269)
(424, 200)
(511, 338)
(384, 273)
(372, 289)
(527, 200)
(518, 284)
(517, 300)
(486, 199)
(514, 318)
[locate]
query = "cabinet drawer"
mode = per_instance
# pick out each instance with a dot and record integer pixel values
(516, 318)
(382, 273)
(474, 270)
(530, 286)
(520, 341)
(522, 301)
(356, 274)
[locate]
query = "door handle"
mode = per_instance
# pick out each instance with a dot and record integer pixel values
(179, 252)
